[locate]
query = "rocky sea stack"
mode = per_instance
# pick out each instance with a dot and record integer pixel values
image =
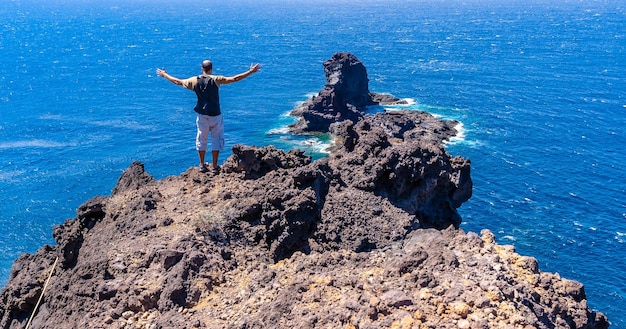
(365, 238)
(345, 96)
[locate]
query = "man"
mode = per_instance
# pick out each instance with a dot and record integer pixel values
(209, 116)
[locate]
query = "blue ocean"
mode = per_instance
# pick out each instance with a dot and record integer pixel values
(538, 86)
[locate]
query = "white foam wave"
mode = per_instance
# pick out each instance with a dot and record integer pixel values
(50, 117)
(120, 124)
(288, 114)
(460, 134)
(34, 143)
(393, 109)
(306, 144)
(315, 145)
(509, 237)
(278, 131)
(103, 123)
(410, 101)
(400, 107)
(10, 175)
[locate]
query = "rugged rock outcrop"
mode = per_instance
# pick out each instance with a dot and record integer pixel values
(365, 238)
(344, 97)
(277, 241)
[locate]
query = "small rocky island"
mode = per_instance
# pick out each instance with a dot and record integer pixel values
(345, 96)
(366, 238)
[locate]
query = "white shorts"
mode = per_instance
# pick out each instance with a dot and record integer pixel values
(213, 125)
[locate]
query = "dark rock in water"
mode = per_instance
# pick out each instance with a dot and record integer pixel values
(365, 238)
(344, 97)
(347, 76)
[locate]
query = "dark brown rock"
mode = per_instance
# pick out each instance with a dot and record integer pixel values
(256, 162)
(400, 157)
(133, 178)
(298, 246)
(345, 96)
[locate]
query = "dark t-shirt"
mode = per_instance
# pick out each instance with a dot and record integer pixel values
(206, 88)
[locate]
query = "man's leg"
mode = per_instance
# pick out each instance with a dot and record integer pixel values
(217, 138)
(215, 155)
(202, 138)
(201, 155)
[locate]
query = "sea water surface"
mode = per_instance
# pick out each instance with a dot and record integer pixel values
(538, 86)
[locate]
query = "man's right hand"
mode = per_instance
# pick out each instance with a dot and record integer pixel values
(255, 67)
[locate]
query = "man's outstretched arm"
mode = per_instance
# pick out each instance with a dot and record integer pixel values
(174, 80)
(241, 76)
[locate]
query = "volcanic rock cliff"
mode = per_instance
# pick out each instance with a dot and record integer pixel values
(365, 238)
